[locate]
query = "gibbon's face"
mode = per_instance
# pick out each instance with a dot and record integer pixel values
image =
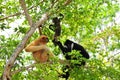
(43, 39)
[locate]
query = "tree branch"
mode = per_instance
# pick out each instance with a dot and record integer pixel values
(18, 13)
(40, 29)
(23, 5)
(20, 47)
(23, 68)
(67, 2)
(66, 62)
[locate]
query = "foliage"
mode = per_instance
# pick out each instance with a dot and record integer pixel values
(92, 23)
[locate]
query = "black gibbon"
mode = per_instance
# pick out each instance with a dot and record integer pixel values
(56, 27)
(68, 47)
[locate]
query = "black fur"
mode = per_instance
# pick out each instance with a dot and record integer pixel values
(68, 47)
(56, 27)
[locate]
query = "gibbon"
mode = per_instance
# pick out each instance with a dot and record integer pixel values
(68, 47)
(39, 49)
(56, 27)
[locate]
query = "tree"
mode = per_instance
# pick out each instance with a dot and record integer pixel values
(92, 23)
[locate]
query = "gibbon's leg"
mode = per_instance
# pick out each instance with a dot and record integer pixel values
(35, 48)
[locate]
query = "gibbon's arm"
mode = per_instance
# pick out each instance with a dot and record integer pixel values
(32, 47)
(63, 48)
(48, 51)
(35, 48)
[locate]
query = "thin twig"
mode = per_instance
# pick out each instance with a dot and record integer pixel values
(113, 55)
(23, 68)
(67, 2)
(33, 65)
(16, 14)
(28, 17)
(40, 29)
(19, 13)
